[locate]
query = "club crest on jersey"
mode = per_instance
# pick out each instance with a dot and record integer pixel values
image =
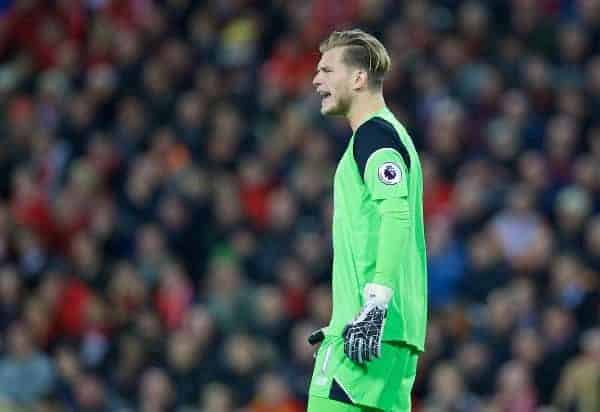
(389, 173)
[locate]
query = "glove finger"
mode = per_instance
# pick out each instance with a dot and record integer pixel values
(380, 337)
(372, 348)
(316, 337)
(351, 344)
(346, 331)
(368, 354)
(347, 347)
(361, 350)
(354, 348)
(365, 350)
(376, 347)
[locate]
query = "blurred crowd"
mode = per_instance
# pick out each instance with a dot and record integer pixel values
(165, 200)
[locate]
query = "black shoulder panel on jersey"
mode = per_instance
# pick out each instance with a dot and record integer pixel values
(374, 134)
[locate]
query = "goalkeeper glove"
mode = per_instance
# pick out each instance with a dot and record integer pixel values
(362, 337)
(316, 337)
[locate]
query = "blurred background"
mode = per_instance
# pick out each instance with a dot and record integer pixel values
(165, 200)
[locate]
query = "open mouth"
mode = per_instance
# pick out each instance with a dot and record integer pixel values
(324, 94)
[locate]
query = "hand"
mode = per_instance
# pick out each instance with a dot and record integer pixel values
(362, 337)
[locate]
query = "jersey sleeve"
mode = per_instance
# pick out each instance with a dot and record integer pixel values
(394, 233)
(383, 161)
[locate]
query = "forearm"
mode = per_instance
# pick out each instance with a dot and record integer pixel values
(393, 239)
(362, 337)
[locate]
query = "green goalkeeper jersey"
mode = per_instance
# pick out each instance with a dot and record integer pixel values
(378, 233)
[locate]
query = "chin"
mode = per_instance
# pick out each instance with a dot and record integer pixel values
(332, 110)
(326, 111)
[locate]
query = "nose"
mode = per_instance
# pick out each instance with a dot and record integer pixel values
(316, 81)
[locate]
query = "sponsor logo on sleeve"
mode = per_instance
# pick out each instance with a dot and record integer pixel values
(389, 173)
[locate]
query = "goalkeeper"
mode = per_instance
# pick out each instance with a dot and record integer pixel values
(368, 353)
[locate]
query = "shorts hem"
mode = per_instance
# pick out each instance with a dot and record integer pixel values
(348, 394)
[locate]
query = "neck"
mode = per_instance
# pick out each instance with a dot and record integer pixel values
(363, 107)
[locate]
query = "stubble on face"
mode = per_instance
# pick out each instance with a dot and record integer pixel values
(333, 80)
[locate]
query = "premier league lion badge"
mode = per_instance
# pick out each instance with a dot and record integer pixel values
(389, 173)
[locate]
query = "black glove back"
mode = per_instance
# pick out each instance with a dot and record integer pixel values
(362, 337)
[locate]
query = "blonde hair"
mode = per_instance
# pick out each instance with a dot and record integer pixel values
(362, 50)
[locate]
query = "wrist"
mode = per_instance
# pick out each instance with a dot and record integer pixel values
(378, 294)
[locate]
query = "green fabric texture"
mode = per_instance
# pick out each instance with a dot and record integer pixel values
(316, 404)
(378, 236)
(394, 231)
(383, 383)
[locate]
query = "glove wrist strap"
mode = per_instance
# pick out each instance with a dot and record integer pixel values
(377, 294)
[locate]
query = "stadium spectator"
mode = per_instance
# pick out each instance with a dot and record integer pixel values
(165, 200)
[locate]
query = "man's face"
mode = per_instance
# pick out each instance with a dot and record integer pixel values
(333, 82)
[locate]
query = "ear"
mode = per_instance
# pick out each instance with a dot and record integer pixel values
(360, 79)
